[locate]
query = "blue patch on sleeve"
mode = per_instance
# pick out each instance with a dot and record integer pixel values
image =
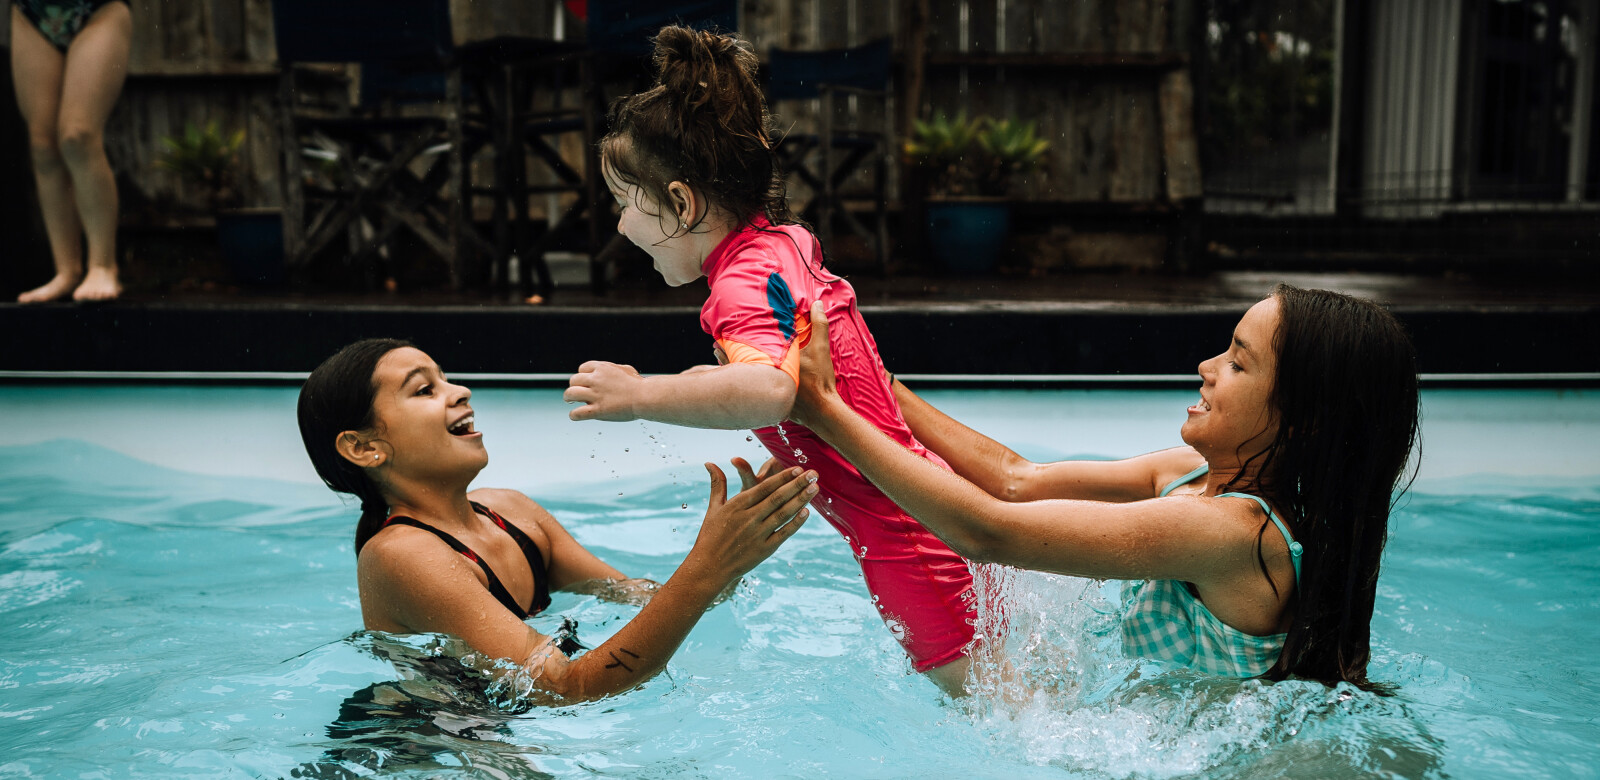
(782, 303)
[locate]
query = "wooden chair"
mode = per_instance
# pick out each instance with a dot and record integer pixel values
(393, 158)
(845, 142)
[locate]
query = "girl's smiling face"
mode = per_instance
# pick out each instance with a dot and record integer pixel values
(425, 420)
(646, 223)
(1234, 418)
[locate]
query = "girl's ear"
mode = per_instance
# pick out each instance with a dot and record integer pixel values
(359, 450)
(685, 203)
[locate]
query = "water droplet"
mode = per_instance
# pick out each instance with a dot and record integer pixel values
(749, 438)
(624, 449)
(685, 506)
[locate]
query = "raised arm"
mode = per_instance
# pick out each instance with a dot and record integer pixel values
(734, 396)
(569, 565)
(1004, 474)
(436, 592)
(1179, 538)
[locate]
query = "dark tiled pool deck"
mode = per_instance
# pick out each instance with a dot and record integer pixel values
(1075, 326)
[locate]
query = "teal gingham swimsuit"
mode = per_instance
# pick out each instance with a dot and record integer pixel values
(1163, 620)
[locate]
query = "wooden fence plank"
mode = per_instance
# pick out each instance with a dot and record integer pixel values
(1136, 172)
(1180, 152)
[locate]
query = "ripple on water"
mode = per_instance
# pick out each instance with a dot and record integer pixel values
(31, 587)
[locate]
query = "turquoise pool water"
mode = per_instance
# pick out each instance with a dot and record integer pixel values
(177, 596)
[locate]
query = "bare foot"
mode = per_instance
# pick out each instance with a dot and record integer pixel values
(100, 285)
(53, 290)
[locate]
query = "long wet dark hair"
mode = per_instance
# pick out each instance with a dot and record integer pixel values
(337, 397)
(704, 123)
(1346, 398)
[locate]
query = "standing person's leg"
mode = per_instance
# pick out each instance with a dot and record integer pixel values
(97, 64)
(36, 69)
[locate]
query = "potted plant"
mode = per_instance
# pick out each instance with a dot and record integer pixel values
(971, 164)
(250, 240)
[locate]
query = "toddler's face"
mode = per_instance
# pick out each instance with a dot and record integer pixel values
(653, 228)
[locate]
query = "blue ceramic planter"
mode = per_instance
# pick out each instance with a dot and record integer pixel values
(966, 236)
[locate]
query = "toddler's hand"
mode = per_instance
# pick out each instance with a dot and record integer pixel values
(606, 390)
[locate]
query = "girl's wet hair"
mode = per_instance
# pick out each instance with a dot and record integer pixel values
(704, 123)
(337, 397)
(1345, 395)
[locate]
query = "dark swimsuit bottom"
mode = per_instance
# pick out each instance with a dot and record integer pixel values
(60, 20)
(541, 585)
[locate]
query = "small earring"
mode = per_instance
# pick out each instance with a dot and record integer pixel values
(374, 456)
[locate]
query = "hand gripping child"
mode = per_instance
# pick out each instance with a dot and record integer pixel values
(691, 165)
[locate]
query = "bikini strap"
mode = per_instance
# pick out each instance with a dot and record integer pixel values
(1184, 480)
(530, 550)
(495, 588)
(1295, 549)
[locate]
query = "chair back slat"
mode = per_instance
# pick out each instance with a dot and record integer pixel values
(414, 31)
(798, 75)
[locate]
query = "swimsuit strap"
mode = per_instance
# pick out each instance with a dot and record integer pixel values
(1184, 480)
(1294, 547)
(541, 579)
(496, 589)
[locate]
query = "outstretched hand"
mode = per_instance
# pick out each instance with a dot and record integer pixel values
(742, 531)
(748, 478)
(817, 384)
(607, 391)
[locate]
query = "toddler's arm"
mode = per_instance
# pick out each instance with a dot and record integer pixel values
(734, 396)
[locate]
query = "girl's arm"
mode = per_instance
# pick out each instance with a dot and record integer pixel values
(1004, 474)
(431, 589)
(734, 396)
(1186, 538)
(569, 565)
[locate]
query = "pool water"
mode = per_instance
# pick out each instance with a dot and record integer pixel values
(178, 598)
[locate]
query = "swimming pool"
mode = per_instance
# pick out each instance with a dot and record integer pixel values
(178, 598)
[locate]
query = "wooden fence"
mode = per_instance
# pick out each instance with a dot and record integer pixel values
(1107, 81)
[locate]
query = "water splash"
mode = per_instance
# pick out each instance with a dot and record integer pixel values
(1051, 684)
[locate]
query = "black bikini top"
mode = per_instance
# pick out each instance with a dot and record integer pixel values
(541, 585)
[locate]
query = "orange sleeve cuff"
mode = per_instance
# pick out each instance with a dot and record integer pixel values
(738, 352)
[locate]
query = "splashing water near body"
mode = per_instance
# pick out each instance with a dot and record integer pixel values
(798, 455)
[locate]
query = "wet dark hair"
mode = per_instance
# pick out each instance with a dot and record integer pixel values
(1345, 394)
(704, 123)
(338, 397)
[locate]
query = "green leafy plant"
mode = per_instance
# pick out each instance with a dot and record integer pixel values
(975, 156)
(944, 146)
(207, 158)
(1009, 147)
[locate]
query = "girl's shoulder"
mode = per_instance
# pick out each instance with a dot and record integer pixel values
(1165, 467)
(516, 507)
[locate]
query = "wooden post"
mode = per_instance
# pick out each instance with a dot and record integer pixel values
(293, 173)
(914, 51)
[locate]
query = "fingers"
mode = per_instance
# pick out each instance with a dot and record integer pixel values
(794, 511)
(589, 366)
(798, 489)
(719, 486)
(747, 477)
(819, 322)
(782, 533)
(768, 488)
(769, 468)
(585, 412)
